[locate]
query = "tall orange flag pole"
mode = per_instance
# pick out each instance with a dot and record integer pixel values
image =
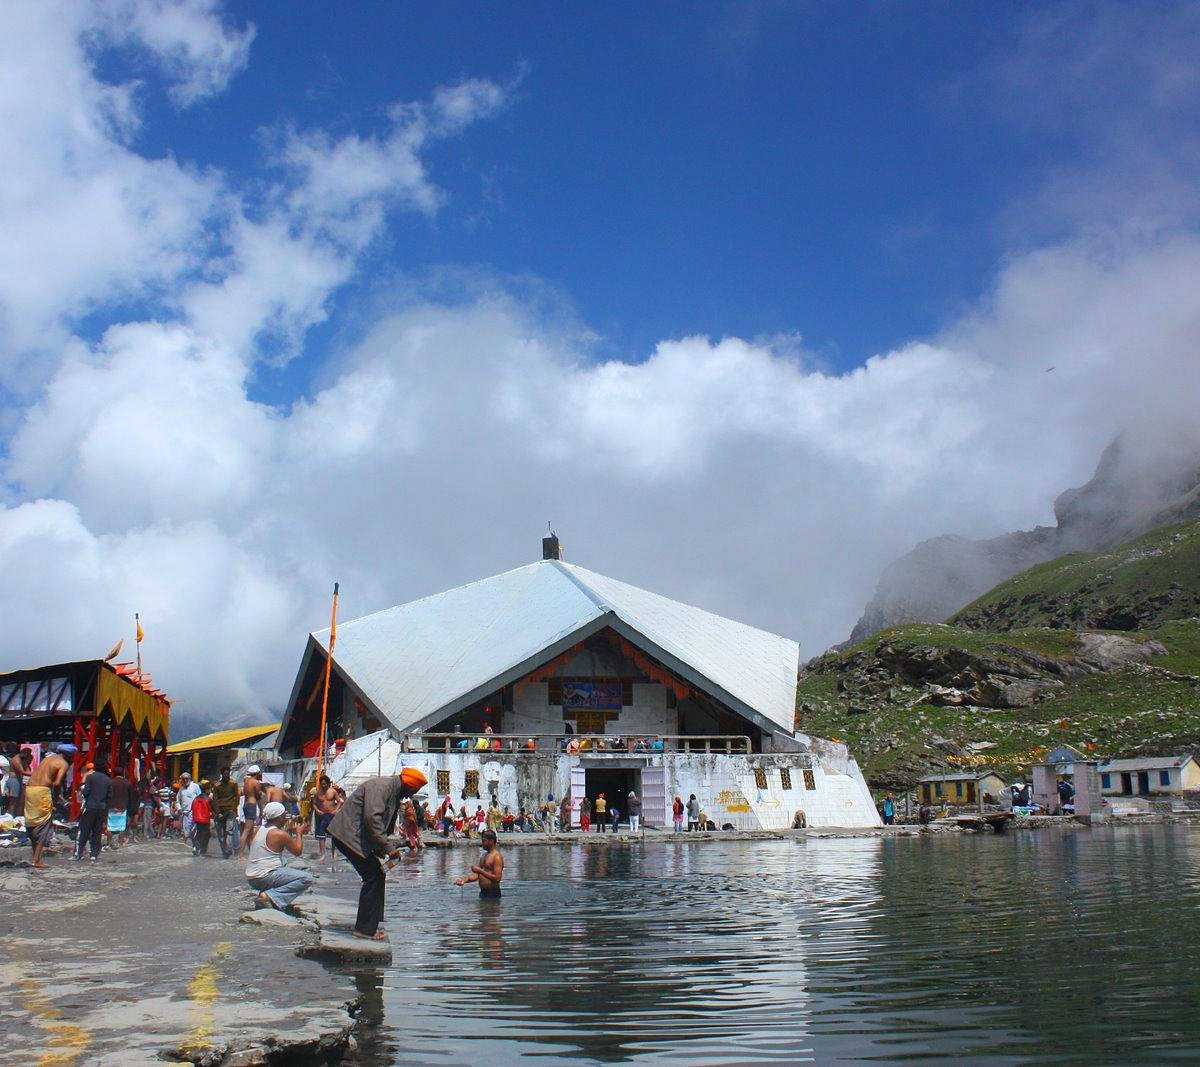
(328, 668)
(137, 621)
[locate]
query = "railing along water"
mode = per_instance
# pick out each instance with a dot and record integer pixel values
(583, 744)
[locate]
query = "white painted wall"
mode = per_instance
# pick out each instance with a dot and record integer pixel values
(724, 784)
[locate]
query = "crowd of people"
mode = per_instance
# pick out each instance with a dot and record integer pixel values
(259, 820)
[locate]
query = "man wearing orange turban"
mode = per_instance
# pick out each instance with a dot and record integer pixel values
(360, 832)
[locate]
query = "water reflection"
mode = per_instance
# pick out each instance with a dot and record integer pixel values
(1029, 947)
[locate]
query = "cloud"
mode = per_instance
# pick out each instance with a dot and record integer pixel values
(141, 474)
(87, 221)
(187, 39)
(717, 471)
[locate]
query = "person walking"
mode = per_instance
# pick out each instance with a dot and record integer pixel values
(889, 810)
(693, 814)
(252, 799)
(360, 832)
(38, 796)
(119, 795)
(677, 814)
(564, 814)
(633, 805)
(95, 792)
(585, 814)
(225, 806)
(325, 803)
(601, 810)
(188, 791)
(147, 803)
(202, 813)
(267, 868)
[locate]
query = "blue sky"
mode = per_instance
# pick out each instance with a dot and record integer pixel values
(747, 299)
(832, 170)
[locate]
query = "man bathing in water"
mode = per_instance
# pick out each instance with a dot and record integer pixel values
(489, 871)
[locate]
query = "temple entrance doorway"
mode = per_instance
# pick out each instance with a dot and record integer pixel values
(615, 783)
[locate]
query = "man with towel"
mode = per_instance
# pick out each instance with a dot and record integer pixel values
(50, 774)
(360, 832)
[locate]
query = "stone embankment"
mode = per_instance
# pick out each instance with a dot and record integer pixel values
(142, 957)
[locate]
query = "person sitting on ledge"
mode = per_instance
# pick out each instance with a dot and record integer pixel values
(267, 869)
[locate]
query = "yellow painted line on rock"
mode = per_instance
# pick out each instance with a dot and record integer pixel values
(203, 991)
(66, 1041)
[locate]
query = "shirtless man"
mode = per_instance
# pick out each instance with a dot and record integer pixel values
(326, 800)
(489, 871)
(252, 804)
(19, 763)
(39, 800)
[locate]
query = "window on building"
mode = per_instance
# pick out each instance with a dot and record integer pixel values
(958, 790)
(785, 778)
(760, 777)
(471, 788)
(1106, 781)
(1164, 777)
(443, 782)
(810, 780)
(554, 691)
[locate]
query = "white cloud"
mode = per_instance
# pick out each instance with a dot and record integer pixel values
(188, 39)
(715, 471)
(726, 472)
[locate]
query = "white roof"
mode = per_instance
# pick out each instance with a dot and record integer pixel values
(423, 661)
(1148, 763)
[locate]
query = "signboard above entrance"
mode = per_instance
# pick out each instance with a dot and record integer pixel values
(597, 693)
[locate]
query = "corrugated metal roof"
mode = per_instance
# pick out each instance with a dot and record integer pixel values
(1150, 763)
(422, 661)
(223, 738)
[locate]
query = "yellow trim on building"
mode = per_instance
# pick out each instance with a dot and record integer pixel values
(130, 702)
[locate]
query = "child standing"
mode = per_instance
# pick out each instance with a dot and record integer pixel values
(201, 821)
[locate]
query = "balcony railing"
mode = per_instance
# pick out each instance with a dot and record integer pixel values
(584, 744)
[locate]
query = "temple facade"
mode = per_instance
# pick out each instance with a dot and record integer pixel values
(550, 680)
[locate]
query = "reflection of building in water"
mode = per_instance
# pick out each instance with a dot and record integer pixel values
(551, 679)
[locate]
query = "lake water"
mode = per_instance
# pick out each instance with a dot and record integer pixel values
(1031, 947)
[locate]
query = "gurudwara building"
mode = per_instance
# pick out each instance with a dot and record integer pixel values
(550, 680)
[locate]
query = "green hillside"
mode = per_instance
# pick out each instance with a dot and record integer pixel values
(1047, 667)
(1145, 581)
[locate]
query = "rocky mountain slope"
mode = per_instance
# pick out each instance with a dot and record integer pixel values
(1050, 667)
(1137, 486)
(1148, 580)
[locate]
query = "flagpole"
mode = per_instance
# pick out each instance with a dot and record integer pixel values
(328, 669)
(137, 622)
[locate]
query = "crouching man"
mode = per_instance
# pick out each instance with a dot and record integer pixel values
(267, 868)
